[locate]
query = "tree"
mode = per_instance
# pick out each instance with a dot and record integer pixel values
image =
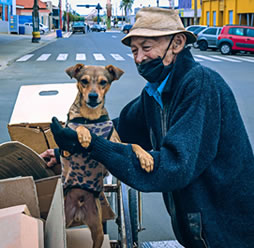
(126, 4)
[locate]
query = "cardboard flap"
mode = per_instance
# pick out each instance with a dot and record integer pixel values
(16, 159)
(55, 223)
(15, 210)
(45, 191)
(17, 191)
(39, 103)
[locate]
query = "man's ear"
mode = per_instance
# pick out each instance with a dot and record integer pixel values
(178, 43)
(74, 70)
(114, 71)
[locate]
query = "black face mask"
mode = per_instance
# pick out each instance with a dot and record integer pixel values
(154, 70)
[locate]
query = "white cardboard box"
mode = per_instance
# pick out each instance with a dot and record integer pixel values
(34, 108)
(18, 229)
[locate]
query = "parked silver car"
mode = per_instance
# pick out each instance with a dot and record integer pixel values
(208, 38)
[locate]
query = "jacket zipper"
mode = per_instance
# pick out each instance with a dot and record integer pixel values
(163, 115)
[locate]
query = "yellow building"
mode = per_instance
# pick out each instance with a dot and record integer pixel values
(222, 12)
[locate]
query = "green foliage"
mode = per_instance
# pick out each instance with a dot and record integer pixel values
(74, 17)
(126, 4)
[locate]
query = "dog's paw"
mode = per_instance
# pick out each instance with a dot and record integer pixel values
(145, 159)
(84, 136)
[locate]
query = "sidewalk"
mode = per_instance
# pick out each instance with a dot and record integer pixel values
(14, 46)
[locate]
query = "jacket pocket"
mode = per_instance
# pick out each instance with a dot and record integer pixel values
(195, 226)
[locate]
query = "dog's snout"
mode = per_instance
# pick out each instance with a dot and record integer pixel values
(93, 96)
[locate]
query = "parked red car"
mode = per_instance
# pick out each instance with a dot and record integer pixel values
(234, 38)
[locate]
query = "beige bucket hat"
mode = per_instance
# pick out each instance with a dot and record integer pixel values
(155, 22)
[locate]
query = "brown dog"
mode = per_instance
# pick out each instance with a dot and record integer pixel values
(82, 177)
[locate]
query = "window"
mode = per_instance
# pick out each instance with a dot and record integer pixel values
(214, 18)
(230, 15)
(211, 31)
(250, 32)
(192, 29)
(236, 31)
(207, 18)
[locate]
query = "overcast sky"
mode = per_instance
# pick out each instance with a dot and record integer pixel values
(115, 4)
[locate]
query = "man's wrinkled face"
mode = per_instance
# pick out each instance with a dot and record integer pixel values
(145, 48)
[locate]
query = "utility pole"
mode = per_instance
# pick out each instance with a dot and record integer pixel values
(36, 30)
(67, 15)
(173, 4)
(109, 13)
(60, 14)
(195, 12)
(158, 3)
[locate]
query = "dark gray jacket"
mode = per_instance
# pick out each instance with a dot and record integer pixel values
(204, 163)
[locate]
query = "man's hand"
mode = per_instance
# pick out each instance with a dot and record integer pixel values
(49, 157)
(65, 138)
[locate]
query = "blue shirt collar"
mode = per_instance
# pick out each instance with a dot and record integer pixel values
(155, 90)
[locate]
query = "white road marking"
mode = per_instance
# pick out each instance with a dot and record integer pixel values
(198, 60)
(80, 56)
(226, 59)
(243, 59)
(62, 57)
(44, 57)
(98, 56)
(25, 58)
(130, 55)
(207, 58)
(117, 57)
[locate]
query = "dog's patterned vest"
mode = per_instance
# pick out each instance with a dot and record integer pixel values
(79, 170)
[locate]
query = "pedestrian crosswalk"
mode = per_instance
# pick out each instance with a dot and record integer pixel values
(125, 57)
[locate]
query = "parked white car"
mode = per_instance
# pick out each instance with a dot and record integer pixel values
(43, 28)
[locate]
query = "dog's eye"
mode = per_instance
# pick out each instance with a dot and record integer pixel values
(103, 82)
(84, 81)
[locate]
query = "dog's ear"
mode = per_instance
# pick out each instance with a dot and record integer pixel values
(114, 71)
(74, 70)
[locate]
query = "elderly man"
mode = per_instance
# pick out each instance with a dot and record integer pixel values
(188, 119)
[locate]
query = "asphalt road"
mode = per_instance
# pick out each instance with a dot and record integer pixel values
(47, 65)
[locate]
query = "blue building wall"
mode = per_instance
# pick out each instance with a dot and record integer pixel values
(184, 4)
(23, 19)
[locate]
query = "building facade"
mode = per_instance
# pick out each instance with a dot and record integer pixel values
(25, 13)
(187, 11)
(222, 12)
(5, 9)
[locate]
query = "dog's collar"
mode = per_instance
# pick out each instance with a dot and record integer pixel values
(82, 120)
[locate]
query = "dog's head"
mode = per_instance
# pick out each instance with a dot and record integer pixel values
(93, 82)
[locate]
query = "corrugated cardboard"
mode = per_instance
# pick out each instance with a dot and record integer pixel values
(44, 198)
(18, 229)
(18, 191)
(16, 159)
(34, 108)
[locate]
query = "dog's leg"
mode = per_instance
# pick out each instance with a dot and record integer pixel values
(70, 207)
(94, 222)
(82, 207)
(84, 136)
(145, 159)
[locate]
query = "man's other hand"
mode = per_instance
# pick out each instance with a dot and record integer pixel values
(50, 157)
